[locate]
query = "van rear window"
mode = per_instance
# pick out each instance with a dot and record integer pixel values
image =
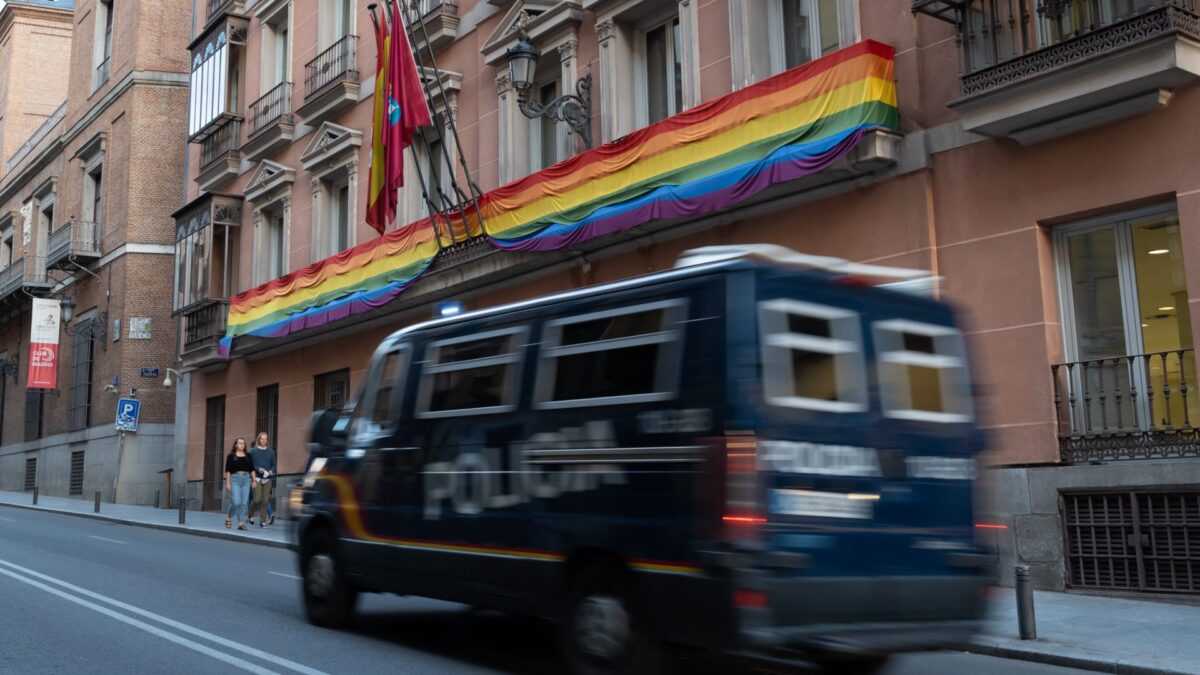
(614, 356)
(472, 374)
(812, 356)
(922, 371)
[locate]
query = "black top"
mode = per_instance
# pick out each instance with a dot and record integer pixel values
(235, 464)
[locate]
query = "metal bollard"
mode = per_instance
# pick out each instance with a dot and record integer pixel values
(1026, 621)
(35, 495)
(97, 501)
(182, 510)
(157, 498)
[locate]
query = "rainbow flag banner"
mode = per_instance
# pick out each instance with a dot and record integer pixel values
(702, 160)
(357, 280)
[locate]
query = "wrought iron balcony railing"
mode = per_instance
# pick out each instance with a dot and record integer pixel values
(1127, 407)
(223, 141)
(12, 278)
(1003, 41)
(77, 237)
(215, 7)
(101, 75)
(336, 64)
(274, 107)
(204, 325)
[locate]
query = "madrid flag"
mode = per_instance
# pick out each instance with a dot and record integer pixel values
(407, 109)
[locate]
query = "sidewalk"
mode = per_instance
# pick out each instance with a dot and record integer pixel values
(1110, 635)
(203, 523)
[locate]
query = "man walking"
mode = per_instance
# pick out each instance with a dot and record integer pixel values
(263, 457)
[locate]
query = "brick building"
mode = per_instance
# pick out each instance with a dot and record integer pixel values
(94, 188)
(1040, 164)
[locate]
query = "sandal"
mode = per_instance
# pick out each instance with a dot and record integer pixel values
(228, 523)
(241, 526)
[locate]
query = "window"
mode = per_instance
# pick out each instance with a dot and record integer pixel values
(471, 375)
(770, 36)
(46, 213)
(546, 150)
(276, 50)
(1127, 327)
(94, 195)
(335, 21)
(102, 48)
(76, 484)
(380, 406)
(662, 71)
(334, 200)
(266, 416)
(34, 409)
(3, 396)
(339, 219)
(7, 247)
(622, 355)
(214, 454)
(331, 390)
(275, 254)
(82, 352)
(922, 371)
(812, 356)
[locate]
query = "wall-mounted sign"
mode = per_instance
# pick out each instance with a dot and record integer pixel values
(43, 344)
(139, 328)
(116, 331)
(128, 411)
(149, 372)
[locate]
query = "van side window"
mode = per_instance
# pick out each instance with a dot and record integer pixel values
(473, 374)
(812, 356)
(380, 406)
(922, 371)
(624, 355)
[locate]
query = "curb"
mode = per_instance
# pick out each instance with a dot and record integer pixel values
(213, 534)
(1097, 663)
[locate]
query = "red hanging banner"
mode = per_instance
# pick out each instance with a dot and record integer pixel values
(43, 345)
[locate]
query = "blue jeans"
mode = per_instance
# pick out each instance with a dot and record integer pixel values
(239, 495)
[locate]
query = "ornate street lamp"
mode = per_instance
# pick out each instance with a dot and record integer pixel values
(10, 367)
(574, 109)
(96, 329)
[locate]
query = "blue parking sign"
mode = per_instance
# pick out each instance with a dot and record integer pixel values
(127, 414)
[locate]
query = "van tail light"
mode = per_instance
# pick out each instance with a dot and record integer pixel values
(750, 598)
(743, 516)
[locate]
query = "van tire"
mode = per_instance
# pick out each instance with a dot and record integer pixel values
(602, 631)
(329, 599)
(854, 665)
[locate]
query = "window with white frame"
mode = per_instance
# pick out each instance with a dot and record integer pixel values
(276, 51)
(623, 355)
(770, 36)
(660, 70)
(7, 245)
(922, 371)
(545, 147)
(93, 193)
(274, 245)
(474, 374)
(45, 210)
(336, 21)
(339, 217)
(812, 356)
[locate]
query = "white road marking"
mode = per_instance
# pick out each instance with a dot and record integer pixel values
(115, 541)
(153, 630)
(8, 520)
(227, 644)
(286, 576)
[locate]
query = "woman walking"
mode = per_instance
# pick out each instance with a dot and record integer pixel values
(238, 469)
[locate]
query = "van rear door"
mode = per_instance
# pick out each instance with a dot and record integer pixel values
(863, 441)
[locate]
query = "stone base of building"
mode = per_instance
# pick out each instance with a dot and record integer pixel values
(123, 471)
(1106, 540)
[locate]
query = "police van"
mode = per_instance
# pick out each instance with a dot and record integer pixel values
(758, 452)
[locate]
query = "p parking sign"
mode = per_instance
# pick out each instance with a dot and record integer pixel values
(127, 414)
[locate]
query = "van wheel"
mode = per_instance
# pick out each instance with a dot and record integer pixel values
(854, 665)
(601, 631)
(329, 599)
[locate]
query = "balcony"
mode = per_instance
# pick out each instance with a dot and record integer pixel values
(16, 276)
(203, 328)
(437, 27)
(1128, 407)
(217, 8)
(272, 126)
(72, 244)
(220, 156)
(331, 81)
(1033, 70)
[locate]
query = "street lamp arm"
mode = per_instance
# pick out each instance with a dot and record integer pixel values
(574, 109)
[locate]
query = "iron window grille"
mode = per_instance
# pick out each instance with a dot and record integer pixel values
(83, 350)
(30, 473)
(34, 408)
(331, 390)
(76, 487)
(266, 416)
(214, 454)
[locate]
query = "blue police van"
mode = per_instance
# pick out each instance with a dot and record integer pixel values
(758, 452)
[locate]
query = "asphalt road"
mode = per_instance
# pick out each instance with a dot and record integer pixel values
(82, 596)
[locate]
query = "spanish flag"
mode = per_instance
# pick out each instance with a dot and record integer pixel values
(379, 208)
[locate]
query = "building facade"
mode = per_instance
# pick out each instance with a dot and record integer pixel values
(86, 204)
(1035, 156)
